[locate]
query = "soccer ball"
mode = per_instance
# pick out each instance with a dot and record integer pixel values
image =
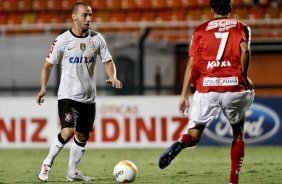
(125, 171)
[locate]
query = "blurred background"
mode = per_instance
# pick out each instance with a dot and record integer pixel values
(149, 41)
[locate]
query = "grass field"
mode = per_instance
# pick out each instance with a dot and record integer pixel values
(262, 165)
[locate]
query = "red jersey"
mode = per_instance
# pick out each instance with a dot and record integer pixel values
(215, 47)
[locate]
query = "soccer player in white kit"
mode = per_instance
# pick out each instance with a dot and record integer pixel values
(76, 50)
(219, 59)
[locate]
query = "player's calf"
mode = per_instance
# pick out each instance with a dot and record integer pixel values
(171, 152)
(187, 140)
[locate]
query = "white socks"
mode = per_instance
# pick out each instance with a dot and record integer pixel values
(55, 148)
(77, 150)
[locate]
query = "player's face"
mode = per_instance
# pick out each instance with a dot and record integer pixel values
(84, 17)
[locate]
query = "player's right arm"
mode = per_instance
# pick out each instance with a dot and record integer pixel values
(45, 73)
(53, 57)
(184, 98)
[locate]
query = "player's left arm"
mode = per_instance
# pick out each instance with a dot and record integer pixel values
(108, 63)
(111, 72)
(246, 55)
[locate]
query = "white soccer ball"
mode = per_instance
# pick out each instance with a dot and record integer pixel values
(125, 171)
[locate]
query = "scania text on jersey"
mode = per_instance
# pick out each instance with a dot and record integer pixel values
(81, 59)
(223, 23)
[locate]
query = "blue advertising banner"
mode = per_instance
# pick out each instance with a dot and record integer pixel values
(262, 127)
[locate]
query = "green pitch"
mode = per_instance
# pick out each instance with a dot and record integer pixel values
(262, 165)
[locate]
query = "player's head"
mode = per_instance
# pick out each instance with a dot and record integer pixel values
(82, 15)
(221, 7)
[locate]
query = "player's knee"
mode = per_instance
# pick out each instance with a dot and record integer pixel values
(238, 133)
(81, 137)
(238, 137)
(67, 134)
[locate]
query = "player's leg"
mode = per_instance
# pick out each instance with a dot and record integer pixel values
(203, 110)
(193, 137)
(77, 151)
(58, 143)
(56, 146)
(186, 140)
(237, 151)
(85, 120)
(60, 140)
(234, 106)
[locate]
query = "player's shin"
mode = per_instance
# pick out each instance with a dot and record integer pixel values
(237, 157)
(56, 146)
(187, 140)
(77, 150)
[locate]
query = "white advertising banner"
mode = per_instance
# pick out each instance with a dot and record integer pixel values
(121, 122)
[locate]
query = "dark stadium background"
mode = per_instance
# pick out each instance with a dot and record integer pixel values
(149, 41)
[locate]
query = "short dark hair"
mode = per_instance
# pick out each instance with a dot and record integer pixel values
(77, 4)
(221, 7)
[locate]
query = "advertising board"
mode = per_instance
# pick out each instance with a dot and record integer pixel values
(132, 122)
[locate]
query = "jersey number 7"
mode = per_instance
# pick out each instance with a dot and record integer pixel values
(223, 41)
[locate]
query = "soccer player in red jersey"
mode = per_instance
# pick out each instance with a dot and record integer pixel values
(219, 59)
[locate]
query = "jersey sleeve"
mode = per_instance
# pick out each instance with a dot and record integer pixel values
(246, 34)
(55, 52)
(103, 50)
(193, 45)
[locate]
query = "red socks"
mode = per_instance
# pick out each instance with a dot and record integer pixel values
(188, 140)
(237, 157)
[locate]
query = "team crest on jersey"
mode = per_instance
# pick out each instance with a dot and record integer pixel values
(82, 46)
(92, 44)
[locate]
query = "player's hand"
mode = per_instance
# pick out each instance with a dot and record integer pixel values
(250, 85)
(39, 98)
(115, 83)
(183, 105)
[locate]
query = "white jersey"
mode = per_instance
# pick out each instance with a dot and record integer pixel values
(77, 56)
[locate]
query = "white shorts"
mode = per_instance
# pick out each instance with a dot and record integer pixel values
(206, 107)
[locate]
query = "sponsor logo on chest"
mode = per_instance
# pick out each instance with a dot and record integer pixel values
(212, 64)
(81, 59)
